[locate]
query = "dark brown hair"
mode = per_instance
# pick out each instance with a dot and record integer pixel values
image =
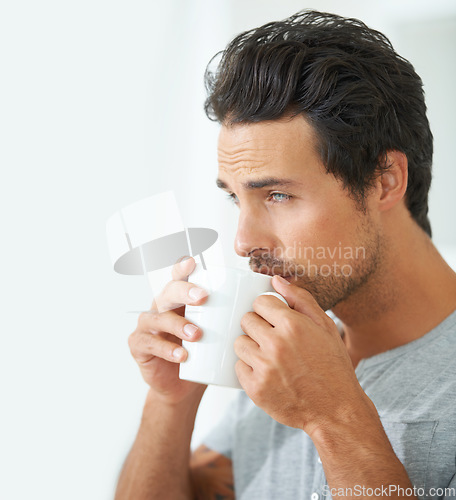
(360, 96)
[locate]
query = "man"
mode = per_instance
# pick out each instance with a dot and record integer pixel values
(326, 149)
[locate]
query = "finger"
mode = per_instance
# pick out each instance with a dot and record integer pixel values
(179, 293)
(243, 372)
(145, 346)
(169, 322)
(181, 270)
(300, 300)
(270, 308)
(246, 350)
(255, 327)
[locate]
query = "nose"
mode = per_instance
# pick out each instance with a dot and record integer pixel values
(252, 233)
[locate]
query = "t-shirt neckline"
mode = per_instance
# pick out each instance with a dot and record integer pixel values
(383, 357)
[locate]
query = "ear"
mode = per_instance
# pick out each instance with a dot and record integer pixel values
(393, 181)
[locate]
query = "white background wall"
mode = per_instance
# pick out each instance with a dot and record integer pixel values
(100, 106)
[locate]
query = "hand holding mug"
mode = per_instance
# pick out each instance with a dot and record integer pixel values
(156, 343)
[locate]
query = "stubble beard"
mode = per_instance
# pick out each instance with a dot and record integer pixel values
(330, 290)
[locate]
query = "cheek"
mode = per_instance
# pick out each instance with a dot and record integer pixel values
(330, 225)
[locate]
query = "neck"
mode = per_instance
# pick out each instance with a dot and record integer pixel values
(412, 291)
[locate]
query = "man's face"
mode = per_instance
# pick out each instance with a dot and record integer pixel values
(295, 219)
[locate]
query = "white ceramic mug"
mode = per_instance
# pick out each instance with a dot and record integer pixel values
(232, 292)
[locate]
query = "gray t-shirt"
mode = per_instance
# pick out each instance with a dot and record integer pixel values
(414, 390)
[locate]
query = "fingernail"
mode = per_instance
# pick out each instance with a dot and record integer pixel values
(282, 280)
(197, 293)
(190, 329)
(178, 353)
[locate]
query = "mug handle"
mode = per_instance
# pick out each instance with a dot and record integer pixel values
(275, 294)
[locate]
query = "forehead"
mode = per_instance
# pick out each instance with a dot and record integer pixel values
(277, 145)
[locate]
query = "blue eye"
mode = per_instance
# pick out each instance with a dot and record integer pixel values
(233, 198)
(275, 198)
(281, 197)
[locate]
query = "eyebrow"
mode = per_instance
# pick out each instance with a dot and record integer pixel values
(261, 183)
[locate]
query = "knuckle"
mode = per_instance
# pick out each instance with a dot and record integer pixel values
(176, 325)
(167, 352)
(255, 392)
(262, 367)
(142, 318)
(148, 319)
(288, 324)
(154, 318)
(240, 345)
(261, 300)
(246, 320)
(278, 350)
(241, 373)
(151, 346)
(132, 341)
(135, 344)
